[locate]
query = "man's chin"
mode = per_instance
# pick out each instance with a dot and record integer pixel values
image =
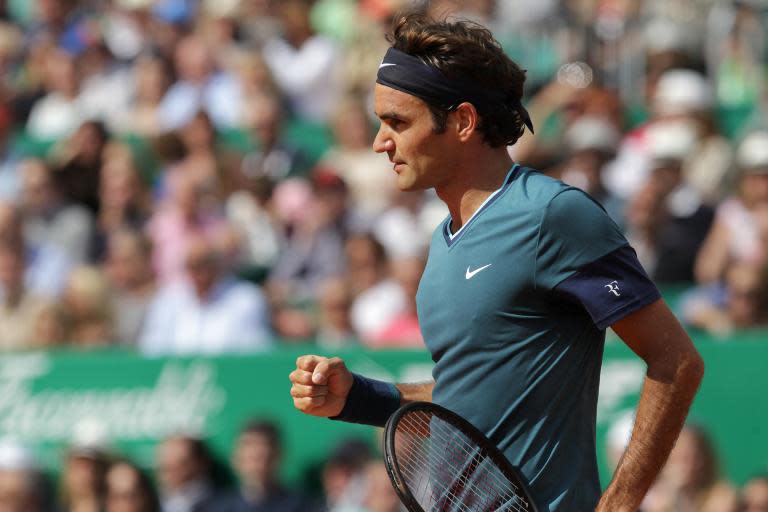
(409, 186)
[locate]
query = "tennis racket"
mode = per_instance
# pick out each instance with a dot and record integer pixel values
(439, 462)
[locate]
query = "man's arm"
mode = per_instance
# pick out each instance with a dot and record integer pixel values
(674, 372)
(417, 392)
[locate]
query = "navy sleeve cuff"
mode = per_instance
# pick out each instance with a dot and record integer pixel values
(370, 402)
(611, 287)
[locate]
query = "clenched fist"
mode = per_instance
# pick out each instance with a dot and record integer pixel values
(320, 385)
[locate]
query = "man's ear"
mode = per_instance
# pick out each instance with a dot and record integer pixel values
(466, 121)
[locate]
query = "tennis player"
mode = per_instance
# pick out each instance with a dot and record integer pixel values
(523, 278)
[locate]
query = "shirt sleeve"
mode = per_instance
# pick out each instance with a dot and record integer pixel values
(611, 287)
(574, 231)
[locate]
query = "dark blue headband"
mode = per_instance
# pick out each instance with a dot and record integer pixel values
(411, 75)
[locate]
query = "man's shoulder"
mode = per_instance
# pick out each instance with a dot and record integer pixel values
(532, 187)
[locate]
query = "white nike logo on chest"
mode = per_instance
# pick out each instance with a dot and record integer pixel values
(471, 274)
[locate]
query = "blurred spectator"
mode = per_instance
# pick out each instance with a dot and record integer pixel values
(739, 302)
(667, 220)
(405, 228)
(57, 114)
(754, 494)
(334, 322)
(169, 24)
(378, 298)
(314, 247)
(303, 63)
(106, 87)
(380, 495)
(152, 76)
(690, 480)
(257, 86)
(129, 489)
(10, 183)
(738, 234)
(344, 476)
(735, 49)
(78, 160)
(22, 313)
(203, 162)
(275, 158)
(22, 487)
(403, 329)
(176, 221)
(249, 211)
(184, 469)
(126, 28)
(256, 461)
(124, 200)
(680, 95)
(199, 86)
(591, 143)
(87, 308)
(62, 22)
(210, 312)
(367, 263)
(48, 218)
(258, 22)
(368, 174)
(559, 104)
(129, 270)
(46, 265)
(217, 23)
(83, 485)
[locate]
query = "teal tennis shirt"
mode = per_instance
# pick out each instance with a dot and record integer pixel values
(513, 309)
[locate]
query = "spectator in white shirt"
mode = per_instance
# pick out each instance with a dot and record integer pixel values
(209, 312)
(303, 63)
(200, 86)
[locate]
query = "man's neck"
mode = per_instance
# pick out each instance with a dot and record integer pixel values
(476, 180)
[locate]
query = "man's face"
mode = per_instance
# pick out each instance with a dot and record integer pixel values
(407, 135)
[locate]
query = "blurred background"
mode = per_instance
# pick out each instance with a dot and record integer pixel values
(188, 201)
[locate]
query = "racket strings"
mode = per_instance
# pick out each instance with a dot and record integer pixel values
(467, 447)
(445, 471)
(472, 498)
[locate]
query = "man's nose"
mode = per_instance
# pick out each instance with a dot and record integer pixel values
(382, 143)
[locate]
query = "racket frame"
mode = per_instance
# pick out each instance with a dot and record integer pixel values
(466, 428)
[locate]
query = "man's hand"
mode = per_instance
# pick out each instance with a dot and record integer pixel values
(320, 385)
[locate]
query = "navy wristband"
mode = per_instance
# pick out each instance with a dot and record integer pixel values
(370, 402)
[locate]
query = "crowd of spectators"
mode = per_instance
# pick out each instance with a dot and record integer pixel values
(182, 176)
(188, 477)
(196, 177)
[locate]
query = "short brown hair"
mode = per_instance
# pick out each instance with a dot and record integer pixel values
(466, 50)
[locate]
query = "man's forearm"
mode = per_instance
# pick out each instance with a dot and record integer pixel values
(418, 392)
(668, 391)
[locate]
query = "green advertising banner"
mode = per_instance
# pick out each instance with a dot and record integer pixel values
(47, 400)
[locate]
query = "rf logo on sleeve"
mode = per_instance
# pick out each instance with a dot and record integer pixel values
(613, 287)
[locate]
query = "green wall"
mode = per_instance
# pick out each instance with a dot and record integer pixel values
(46, 399)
